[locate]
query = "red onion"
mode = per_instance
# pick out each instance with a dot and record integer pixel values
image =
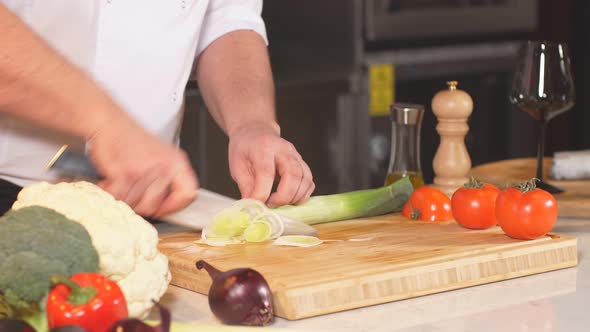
(13, 325)
(136, 325)
(68, 328)
(239, 296)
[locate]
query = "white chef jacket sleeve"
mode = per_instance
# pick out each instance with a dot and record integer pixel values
(225, 16)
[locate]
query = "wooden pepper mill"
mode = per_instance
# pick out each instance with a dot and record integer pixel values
(451, 162)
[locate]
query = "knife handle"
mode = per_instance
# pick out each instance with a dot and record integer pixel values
(69, 164)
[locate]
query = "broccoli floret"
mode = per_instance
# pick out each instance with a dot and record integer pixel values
(37, 243)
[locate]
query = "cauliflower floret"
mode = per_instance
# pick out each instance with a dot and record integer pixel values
(125, 242)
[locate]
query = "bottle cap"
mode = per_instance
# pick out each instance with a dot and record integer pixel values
(408, 114)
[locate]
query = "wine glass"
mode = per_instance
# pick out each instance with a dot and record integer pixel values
(543, 87)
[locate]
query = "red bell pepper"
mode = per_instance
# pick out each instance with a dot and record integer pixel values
(88, 300)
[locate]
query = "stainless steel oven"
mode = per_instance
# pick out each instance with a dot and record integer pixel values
(410, 19)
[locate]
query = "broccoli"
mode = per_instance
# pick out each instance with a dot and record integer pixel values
(37, 243)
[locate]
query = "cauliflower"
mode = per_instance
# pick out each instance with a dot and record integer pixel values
(125, 242)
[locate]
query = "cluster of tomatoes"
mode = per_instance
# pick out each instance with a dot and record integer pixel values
(522, 211)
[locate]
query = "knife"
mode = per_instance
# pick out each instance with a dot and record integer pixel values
(71, 164)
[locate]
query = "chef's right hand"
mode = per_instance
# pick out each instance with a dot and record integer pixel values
(152, 177)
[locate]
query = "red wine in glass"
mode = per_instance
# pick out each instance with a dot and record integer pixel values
(543, 87)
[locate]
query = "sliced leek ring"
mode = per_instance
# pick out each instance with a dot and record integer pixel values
(229, 223)
(277, 226)
(247, 220)
(258, 231)
(249, 205)
(298, 241)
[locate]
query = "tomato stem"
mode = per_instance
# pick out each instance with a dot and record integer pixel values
(473, 183)
(527, 186)
(415, 212)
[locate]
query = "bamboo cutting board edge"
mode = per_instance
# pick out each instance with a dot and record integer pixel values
(287, 309)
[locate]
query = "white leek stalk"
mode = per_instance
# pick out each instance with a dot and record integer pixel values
(350, 205)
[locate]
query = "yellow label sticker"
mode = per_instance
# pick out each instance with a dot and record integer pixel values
(381, 89)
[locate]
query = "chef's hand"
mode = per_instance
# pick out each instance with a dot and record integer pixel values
(258, 156)
(153, 178)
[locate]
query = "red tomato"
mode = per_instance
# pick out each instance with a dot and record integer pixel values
(428, 204)
(526, 212)
(474, 205)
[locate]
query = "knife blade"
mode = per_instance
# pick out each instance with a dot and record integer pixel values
(197, 215)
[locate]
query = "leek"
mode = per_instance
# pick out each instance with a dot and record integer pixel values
(251, 221)
(350, 205)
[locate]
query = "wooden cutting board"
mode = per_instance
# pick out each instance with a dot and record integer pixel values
(405, 259)
(573, 203)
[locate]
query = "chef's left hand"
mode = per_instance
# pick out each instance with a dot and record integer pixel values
(258, 155)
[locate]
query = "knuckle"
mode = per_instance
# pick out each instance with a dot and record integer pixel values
(308, 178)
(266, 141)
(288, 145)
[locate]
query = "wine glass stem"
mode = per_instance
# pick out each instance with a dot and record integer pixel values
(541, 148)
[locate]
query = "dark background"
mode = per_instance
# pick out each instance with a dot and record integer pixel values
(319, 51)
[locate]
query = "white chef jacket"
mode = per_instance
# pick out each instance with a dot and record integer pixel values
(140, 51)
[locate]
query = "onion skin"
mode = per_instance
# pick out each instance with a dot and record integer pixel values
(239, 296)
(68, 328)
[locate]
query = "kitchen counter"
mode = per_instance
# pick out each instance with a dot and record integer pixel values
(553, 301)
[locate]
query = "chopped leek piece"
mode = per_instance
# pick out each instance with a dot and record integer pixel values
(247, 220)
(229, 223)
(297, 241)
(350, 205)
(277, 225)
(258, 231)
(362, 239)
(218, 242)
